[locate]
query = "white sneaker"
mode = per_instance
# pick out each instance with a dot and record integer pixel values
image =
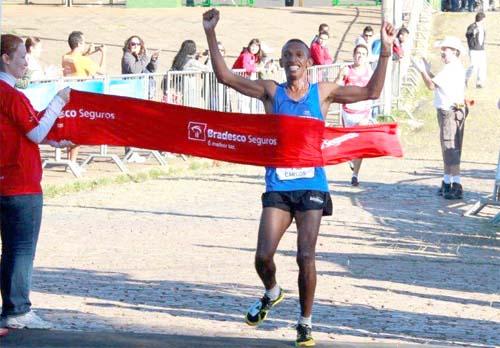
(26, 321)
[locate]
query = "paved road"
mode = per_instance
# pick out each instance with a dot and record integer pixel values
(66, 339)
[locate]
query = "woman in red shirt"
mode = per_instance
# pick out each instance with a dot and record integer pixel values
(21, 130)
(250, 57)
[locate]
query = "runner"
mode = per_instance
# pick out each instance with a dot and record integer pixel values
(360, 113)
(300, 193)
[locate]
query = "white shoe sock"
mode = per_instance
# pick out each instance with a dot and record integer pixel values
(305, 321)
(274, 292)
(456, 179)
(447, 179)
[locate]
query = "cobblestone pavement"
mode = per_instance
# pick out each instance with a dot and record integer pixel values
(396, 263)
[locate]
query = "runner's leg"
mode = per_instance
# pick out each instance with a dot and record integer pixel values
(273, 224)
(308, 223)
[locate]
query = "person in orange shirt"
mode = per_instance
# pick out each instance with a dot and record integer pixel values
(77, 63)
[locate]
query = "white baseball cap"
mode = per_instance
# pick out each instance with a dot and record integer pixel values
(451, 42)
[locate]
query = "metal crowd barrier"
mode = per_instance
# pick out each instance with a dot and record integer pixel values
(140, 86)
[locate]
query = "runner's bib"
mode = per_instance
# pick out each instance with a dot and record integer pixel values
(295, 173)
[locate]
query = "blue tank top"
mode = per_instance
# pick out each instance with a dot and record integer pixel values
(294, 179)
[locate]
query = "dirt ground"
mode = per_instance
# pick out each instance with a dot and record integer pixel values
(395, 262)
(166, 29)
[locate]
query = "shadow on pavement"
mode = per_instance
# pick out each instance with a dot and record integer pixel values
(72, 339)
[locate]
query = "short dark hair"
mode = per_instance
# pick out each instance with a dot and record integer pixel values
(8, 45)
(403, 30)
(322, 27)
(299, 41)
(30, 42)
(74, 39)
(361, 46)
(368, 29)
(480, 16)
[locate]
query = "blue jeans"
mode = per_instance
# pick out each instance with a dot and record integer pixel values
(20, 218)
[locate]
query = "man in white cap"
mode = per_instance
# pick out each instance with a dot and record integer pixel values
(449, 99)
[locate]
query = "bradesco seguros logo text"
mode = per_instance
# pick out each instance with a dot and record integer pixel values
(89, 114)
(199, 131)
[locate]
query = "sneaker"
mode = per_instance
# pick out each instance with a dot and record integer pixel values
(445, 188)
(26, 321)
(354, 181)
(258, 311)
(304, 336)
(456, 192)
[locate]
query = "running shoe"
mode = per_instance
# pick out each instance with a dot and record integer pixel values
(258, 311)
(26, 321)
(445, 189)
(304, 336)
(354, 181)
(456, 192)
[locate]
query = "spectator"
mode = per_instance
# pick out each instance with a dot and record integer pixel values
(186, 89)
(135, 59)
(21, 198)
(476, 35)
(76, 63)
(354, 114)
(187, 59)
(398, 47)
(322, 27)
(33, 52)
(469, 4)
(250, 57)
(449, 99)
(367, 39)
(34, 72)
(319, 51)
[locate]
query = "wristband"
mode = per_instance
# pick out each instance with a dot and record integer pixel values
(385, 55)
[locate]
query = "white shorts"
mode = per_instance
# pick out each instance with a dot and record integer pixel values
(355, 119)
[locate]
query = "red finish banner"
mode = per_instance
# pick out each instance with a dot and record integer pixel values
(264, 140)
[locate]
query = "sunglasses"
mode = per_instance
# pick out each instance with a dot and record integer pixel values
(135, 44)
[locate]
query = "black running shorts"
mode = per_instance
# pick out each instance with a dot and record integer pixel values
(302, 200)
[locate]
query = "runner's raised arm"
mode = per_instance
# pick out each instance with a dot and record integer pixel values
(351, 94)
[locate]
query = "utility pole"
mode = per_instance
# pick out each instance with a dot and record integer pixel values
(388, 16)
(1, 6)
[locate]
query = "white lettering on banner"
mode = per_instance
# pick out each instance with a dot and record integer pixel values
(90, 114)
(295, 173)
(240, 138)
(339, 140)
(199, 131)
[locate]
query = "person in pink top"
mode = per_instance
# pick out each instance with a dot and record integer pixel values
(319, 51)
(250, 57)
(354, 114)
